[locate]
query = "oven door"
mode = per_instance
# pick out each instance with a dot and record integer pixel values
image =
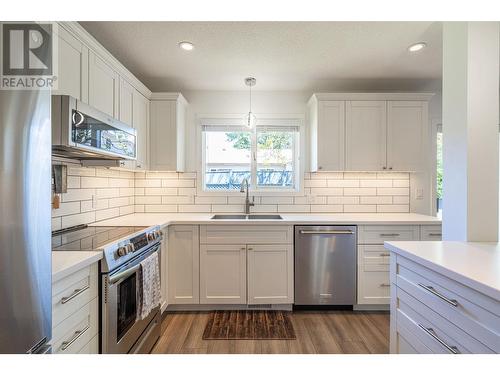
(120, 327)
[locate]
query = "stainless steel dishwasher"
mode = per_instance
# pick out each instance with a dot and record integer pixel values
(325, 265)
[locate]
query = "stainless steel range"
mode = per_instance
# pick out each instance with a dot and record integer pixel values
(122, 330)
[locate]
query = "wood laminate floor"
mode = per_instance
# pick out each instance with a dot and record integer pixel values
(331, 332)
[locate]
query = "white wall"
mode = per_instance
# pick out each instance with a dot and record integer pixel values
(235, 102)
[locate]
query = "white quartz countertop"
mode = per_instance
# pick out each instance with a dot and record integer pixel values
(65, 263)
(148, 219)
(475, 264)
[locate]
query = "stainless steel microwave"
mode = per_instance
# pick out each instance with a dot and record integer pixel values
(80, 131)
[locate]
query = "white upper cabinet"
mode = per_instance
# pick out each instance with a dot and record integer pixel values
(407, 133)
(327, 134)
(141, 124)
(73, 62)
(365, 135)
(368, 132)
(168, 117)
(126, 102)
(104, 86)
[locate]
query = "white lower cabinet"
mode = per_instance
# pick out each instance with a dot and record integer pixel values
(164, 268)
(183, 264)
(270, 274)
(374, 286)
(75, 315)
(246, 264)
(223, 274)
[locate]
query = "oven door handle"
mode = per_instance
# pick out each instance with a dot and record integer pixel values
(121, 275)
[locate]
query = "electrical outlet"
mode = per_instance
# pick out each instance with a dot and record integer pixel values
(419, 193)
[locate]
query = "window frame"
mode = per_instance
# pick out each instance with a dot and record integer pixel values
(236, 121)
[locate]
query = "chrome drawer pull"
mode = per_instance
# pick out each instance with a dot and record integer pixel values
(434, 234)
(385, 255)
(430, 289)
(430, 332)
(66, 344)
(76, 293)
(389, 234)
(326, 232)
(385, 285)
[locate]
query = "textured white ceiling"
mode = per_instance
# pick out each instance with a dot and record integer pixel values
(308, 56)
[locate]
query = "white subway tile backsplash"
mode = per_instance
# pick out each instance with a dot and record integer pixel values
(343, 200)
(147, 183)
(393, 191)
(376, 200)
(327, 191)
(178, 183)
(276, 200)
(123, 192)
(360, 208)
(360, 191)
(294, 208)
(203, 208)
(177, 199)
(94, 182)
(375, 183)
(334, 208)
(343, 183)
(393, 208)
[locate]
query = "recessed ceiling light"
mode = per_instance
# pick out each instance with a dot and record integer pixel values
(186, 46)
(417, 47)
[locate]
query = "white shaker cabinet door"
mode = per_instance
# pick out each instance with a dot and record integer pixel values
(126, 102)
(73, 67)
(270, 274)
(141, 125)
(183, 264)
(104, 86)
(407, 132)
(330, 136)
(223, 274)
(366, 135)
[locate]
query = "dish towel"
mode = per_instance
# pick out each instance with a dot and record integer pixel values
(149, 288)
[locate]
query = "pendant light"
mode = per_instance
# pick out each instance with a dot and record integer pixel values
(250, 118)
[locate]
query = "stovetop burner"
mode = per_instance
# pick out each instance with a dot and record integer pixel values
(85, 238)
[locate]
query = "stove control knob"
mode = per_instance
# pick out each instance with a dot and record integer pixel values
(130, 248)
(151, 236)
(122, 251)
(158, 234)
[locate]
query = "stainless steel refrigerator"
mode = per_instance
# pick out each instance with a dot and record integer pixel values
(25, 222)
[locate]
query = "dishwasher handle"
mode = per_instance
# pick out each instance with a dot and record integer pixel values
(326, 232)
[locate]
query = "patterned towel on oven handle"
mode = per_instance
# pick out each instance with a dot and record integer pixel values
(149, 291)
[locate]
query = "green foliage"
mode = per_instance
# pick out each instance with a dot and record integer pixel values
(439, 175)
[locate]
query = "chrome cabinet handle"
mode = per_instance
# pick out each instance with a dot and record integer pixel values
(385, 285)
(432, 333)
(389, 234)
(326, 232)
(243, 248)
(434, 234)
(250, 248)
(384, 167)
(76, 293)
(66, 344)
(431, 290)
(385, 255)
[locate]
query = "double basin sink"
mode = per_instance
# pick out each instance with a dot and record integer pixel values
(247, 217)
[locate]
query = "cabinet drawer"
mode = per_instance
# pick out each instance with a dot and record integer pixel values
(73, 292)
(247, 234)
(452, 300)
(439, 334)
(373, 287)
(430, 233)
(377, 234)
(75, 332)
(374, 258)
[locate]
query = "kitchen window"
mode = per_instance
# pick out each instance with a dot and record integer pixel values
(268, 156)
